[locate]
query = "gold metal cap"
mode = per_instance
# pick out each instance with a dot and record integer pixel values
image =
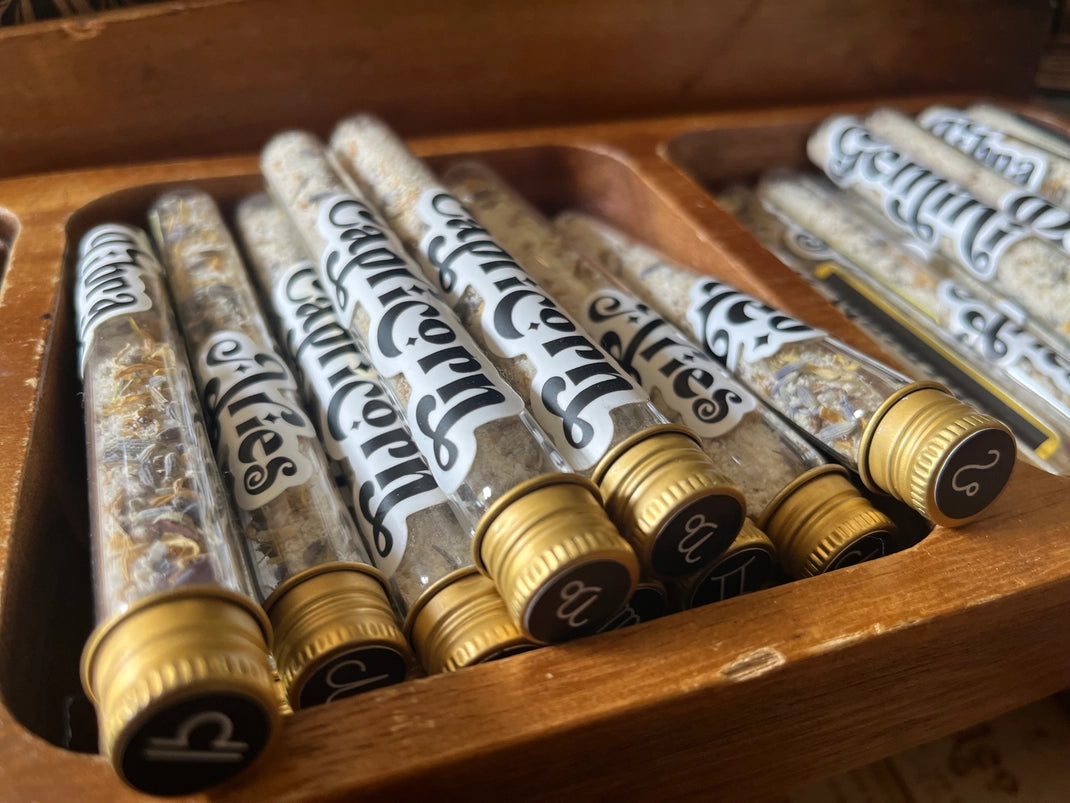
(821, 522)
(336, 635)
(662, 491)
(183, 688)
(650, 600)
(745, 566)
(559, 563)
(462, 622)
(937, 454)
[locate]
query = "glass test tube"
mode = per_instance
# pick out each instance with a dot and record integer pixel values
(659, 488)
(812, 258)
(989, 338)
(985, 243)
(336, 633)
(1012, 158)
(1020, 127)
(539, 530)
(178, 665)
(787, 483)
(454, 616)
(911, 440)
(1021, 204)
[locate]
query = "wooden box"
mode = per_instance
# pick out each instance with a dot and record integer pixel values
(744, 699)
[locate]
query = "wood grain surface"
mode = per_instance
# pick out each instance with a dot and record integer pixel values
(743, 700)
(219, 76)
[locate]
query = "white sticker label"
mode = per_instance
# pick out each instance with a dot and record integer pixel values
(1024, 166)
(576, 385)
(255, 424)
(1040, 216)
(918, 201)
(737, 329)
(998, 336)
(707, 400)
(110, 282)
(359, 423)
(805, 244)
(454, 389)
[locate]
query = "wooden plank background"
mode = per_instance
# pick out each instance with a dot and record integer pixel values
(203, 77)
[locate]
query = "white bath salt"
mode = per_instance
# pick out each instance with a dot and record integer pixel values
(593, 410)
(985, 243)
(993, 339)
(482, 446)
(846, 401)
(304, 545)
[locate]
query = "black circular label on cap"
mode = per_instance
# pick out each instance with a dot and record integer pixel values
(868, 547)
(648, 602)
(740, 573)
(696, 535)
(974, 474)
(578, 602)
(353, 672)
(195, 743)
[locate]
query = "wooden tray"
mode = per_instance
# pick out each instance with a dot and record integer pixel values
(744, 699)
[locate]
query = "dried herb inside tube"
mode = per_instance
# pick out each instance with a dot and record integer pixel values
(986, 244)
(454, 616)
(985, 337)
(336, 633)
(539, 530)
(657, 485)
(181, 649)
(912, 440)
(786, 482)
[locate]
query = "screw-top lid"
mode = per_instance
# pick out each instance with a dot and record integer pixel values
(821, 522)
(937, 454)
(183, 688)
(462, 621)
(745, 566)
(559, 563)
(336, 635)
(669, 502)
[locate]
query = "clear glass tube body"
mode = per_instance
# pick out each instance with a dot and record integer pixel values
(160, 520)
(820, 384)
(413, 533)
(580, 397)
(479, 440)
(966, 321)
(1029, 156)
(981, 241)
(290, 509)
